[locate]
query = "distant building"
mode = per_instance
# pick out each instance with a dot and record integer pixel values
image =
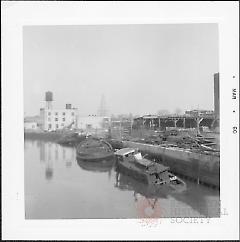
(93, 122)
(197, 112)
(30, 125)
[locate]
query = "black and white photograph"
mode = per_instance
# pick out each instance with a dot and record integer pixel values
(122, 120)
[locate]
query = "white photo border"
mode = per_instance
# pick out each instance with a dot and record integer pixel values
(17, 14)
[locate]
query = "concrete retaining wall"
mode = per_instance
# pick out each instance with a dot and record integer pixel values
(204, 168)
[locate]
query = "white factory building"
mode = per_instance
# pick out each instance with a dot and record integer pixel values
(54, 119)
(68, 118)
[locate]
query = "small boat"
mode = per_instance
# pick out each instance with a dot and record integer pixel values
(71, 139)
(131, 162)
(93, 149)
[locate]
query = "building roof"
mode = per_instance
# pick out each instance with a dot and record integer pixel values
(144, 162)
(124, 151)
(30, 121)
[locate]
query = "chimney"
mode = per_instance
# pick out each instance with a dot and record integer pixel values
(216, 94)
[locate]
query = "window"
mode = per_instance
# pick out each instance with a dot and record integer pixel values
(63, 119)
(72, 113)
(63, 113)
(56, 126)
(56, 113)
(49, 126)
(49, 113)
(56, 119)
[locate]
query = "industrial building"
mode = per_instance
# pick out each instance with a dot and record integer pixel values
(198, 112)
(191, 119)
(30, 125)
(175, 121)
(93, 122)
(56, 119)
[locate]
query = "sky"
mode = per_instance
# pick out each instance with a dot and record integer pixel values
(139, 69)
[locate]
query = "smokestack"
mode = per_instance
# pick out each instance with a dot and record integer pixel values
(216, 95)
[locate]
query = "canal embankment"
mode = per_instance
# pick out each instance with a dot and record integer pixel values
(203, 168)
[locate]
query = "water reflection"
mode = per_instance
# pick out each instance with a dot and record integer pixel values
(145, 197)
(124, 182)
(51, 153)
(74, 193)
(200, 199)
(196, 197)
(49, 172)
(104, 165)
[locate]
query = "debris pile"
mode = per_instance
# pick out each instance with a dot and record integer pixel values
(197, 143)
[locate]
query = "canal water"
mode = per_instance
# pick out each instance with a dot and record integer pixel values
(57, 186)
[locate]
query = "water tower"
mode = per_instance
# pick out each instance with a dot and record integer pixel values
(48, 99)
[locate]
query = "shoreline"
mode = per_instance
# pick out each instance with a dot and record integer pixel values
(43, 136)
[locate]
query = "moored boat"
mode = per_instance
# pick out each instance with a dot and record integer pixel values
(93, 149)
(131, 162)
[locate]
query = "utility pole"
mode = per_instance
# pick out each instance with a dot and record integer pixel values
(121, 128)
(131, 120)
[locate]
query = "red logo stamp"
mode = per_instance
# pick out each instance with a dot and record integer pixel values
(148, 210)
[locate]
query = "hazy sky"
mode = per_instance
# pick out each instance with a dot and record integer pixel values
(140, 69)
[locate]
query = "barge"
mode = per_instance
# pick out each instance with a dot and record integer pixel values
(131, 162)
(94, 149)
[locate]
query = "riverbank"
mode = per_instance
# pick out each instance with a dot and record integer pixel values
(46, 136)
(57, 135)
